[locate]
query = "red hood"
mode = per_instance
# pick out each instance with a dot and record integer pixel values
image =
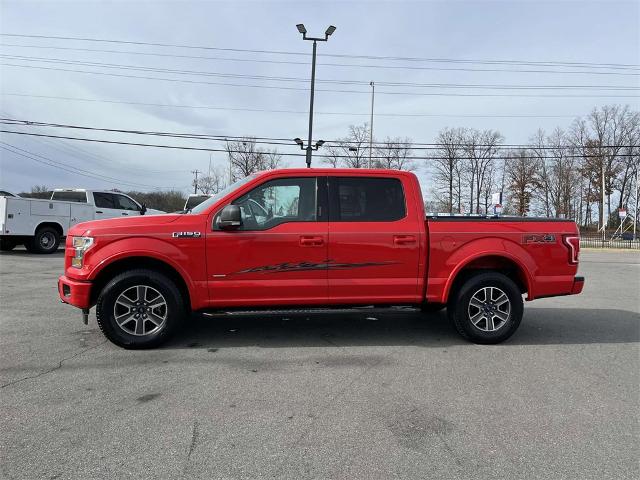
(122, 225)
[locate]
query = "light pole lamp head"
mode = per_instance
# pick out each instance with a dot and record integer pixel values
(329, 31)
(301, 28)
(298, 141)
(319, 143)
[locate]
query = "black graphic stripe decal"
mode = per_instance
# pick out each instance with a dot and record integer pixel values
(301, 266)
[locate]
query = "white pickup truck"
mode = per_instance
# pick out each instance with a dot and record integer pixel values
(40, 224)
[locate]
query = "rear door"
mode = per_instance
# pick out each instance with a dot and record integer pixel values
(374, 241)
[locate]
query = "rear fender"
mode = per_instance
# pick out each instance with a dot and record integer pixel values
(491, 247)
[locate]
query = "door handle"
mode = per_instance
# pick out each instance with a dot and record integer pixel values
(311, 241)
(404, 239)
(99, 211)
(124, 213)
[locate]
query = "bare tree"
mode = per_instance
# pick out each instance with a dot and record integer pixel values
(521, 177)
(394, 154)
(213, 182)
(247, 158)
(448, 165)
(350, 151)
(600, 139)
(480, 147)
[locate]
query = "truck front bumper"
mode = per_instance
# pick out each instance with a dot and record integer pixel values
(74, 292)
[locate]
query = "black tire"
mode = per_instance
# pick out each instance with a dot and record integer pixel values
(46, 240)
(128, 334)
(6, 244)
(430, 307)
(493, 324)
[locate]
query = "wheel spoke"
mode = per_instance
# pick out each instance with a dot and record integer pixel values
(490, 325)
(155, 319)
(125, 302)
(156, 302)
(477, 318)
(501, 315)
(476, 303)
(125, 318)
(141, 290)
(501, 300)
(139, 326)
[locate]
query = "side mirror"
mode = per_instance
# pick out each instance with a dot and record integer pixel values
(143, 209)
(230, 217)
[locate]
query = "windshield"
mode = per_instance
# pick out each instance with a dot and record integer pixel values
(210, 201)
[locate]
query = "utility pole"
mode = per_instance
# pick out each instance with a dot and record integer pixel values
(195, 181)
(301, 28)
(636, 218)
(373, 94)
(603, 225)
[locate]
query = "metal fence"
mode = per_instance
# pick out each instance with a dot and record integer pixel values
(596, 241)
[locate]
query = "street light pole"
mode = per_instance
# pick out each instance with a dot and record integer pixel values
(313, 83)
(373, 94)
(301, 28)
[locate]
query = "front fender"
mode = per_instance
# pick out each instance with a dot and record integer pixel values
(489, 247)
(154, 248)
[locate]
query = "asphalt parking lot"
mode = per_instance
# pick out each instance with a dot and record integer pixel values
(328, 396)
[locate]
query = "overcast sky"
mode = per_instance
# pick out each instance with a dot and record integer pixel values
(605, 32)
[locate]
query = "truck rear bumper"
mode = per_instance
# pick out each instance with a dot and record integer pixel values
(74, 292)
(578, 284)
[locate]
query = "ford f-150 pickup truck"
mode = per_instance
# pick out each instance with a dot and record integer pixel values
(315, 238)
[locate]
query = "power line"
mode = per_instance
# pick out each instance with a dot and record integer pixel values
(301, 112)
(324, 64)
(410, 145)
(320, 90)
(175, 147)
(305, 80)
(368, 57)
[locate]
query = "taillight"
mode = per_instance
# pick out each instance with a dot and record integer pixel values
(573, 244)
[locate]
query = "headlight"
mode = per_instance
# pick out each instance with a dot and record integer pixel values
(81, 245)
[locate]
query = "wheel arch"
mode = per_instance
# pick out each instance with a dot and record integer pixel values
(121, 265)
(500, 262)
(55, 225)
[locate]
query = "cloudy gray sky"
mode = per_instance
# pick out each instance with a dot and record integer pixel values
(42, 81)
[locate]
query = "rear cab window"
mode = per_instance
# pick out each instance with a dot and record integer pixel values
(366, 199)
(70, 196)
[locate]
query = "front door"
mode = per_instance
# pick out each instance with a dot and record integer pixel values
(278, 256)
(374, 241)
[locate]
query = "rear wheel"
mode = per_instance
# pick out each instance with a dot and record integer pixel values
(46, 240)
(139, 309)
(7, 244)
(487, 308)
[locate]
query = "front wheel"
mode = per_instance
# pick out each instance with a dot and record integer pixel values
(487, 308)
(139, 309)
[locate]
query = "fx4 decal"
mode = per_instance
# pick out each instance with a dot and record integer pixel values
(532, 238)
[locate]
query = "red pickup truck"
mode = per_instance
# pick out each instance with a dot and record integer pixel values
(309, 238)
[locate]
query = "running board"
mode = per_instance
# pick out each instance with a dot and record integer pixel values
(311, 310)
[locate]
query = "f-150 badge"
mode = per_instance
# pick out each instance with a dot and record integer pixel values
(538, 238)
(186, 234)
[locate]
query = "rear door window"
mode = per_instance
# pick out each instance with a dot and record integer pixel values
(366, 199)
(104, 200)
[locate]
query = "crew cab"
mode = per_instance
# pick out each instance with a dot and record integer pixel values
(41, 224)
(310, 238)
